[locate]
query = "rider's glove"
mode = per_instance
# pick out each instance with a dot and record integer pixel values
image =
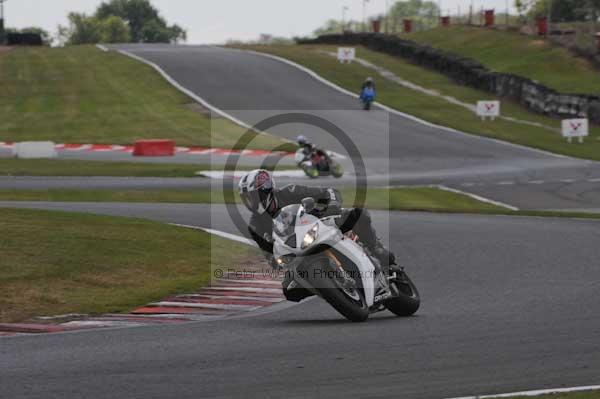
(334, 201)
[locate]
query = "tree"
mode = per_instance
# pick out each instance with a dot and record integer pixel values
(565, 10)
(423, 13)
(115, 30)
(154, 32)
(145, 22)
(523, 6)
(83, 29)
(335, 26)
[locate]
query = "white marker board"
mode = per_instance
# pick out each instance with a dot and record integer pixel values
(488, 109)
(346, 54)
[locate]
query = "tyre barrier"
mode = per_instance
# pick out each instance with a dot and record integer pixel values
(154, 148)
(469, 72)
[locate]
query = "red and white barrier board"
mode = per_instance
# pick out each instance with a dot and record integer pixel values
(154, 148)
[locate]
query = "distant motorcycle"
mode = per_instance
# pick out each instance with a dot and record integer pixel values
(315, 162)
(367, 97)
(319, 260)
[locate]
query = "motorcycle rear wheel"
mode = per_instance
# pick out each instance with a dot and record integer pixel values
(337, 170)
(406, 300)
(313, 173)
(350, 304)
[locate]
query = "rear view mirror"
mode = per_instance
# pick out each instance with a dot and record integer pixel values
(308, 204)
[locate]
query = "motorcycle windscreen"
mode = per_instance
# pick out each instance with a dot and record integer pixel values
(285, 223)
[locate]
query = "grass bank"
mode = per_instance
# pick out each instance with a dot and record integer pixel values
(80, 94)
(57, 263)
(434, 109)
(511, 52)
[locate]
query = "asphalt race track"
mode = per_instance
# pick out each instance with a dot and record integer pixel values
(396, 150)
(510, 304)
(405, 151)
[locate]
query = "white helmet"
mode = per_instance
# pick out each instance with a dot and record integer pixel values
(302, 141)
(257, 191)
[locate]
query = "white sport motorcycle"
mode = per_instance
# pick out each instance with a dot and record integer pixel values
(319, 260)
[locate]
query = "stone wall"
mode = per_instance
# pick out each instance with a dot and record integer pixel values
(469, 72)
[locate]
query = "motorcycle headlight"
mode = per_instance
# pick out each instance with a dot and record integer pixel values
(311, 236)
(284, 260)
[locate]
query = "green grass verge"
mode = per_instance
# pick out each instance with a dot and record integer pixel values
(56, 167)
(411, 199)
(80, 94)
(407, 199)
(522, 55)
(434, 109)
(57, 262)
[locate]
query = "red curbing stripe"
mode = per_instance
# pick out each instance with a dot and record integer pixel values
(130, 149)
(177, 310)
(141, 319)
(224, 301)
(241, 297)
(208, 291)
(246, 285)
(249, 277)
(32, 328)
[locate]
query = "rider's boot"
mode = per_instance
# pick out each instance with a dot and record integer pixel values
(383, 255)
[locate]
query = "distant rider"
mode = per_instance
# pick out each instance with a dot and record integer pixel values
(367, 88)
(259, 194)
(312, 153)
(369, 82)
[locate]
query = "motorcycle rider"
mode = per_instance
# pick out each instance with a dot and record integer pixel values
(369, 82)
(305, 145)
(308, 149)
(367, 93)
(260, 195)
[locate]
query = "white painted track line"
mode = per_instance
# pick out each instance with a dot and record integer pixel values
(204, 305)
(222, 234)
(535, 393)
(478, 197)
(219, 174)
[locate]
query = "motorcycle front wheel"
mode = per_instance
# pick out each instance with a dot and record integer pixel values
(349, 301)
(406, 300)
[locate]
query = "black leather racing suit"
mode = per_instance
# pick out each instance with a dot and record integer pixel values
(329, 199)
